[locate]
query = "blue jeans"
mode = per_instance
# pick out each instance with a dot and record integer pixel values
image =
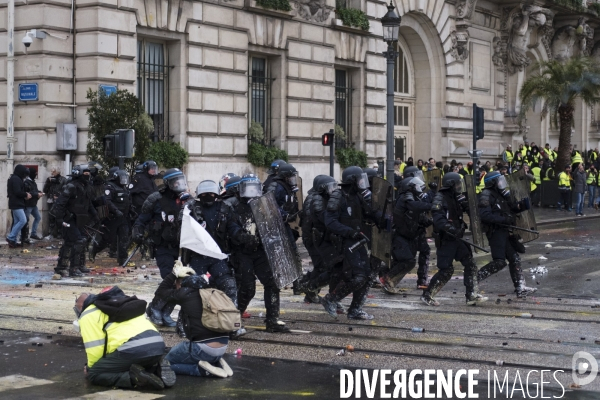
(36, 219)
(19, 221)
(592, 195)
(579, 206)
(184, 357)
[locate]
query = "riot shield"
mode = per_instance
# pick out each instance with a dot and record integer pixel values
(281, 253)
(433, 176)
(520, 188)
(300, 196)
(474, 218)
(381, 239)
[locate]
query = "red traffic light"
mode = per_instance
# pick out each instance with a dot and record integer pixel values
(327, 139)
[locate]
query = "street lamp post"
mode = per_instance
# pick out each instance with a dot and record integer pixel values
(391, 27)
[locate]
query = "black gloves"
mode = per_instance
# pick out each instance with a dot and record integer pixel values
(137, 234)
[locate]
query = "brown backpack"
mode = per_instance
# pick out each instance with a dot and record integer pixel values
(219, 314)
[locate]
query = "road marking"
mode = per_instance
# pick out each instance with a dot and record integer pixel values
(118, 394)
(20, 382)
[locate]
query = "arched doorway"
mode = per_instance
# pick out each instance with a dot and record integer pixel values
(419, 89)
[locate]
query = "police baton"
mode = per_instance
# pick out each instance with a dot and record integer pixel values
(358, 244)
(467, 242)
(519, 229)
(131, 255)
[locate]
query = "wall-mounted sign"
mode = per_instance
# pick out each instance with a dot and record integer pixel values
(28, 92)
(108, 89)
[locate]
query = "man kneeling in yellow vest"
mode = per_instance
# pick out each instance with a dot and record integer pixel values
(123, 348)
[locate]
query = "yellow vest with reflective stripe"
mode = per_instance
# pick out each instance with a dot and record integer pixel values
(576, 158)
(508, 156)
(593, 156)
(536, 172)
(532, 186)
(91, 323)
(564, 180)
(591, 177)
(481, 185)
(401, 168)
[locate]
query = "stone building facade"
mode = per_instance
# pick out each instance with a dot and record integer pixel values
(206, 69)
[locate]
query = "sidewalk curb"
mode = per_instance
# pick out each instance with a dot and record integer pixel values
(569, 219)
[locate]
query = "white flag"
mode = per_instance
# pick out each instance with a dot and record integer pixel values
(195, 238)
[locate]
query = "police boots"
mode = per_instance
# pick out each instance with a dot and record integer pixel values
(74, 272)
(277, 326)
(523, 291)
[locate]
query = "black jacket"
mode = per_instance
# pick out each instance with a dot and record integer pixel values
(191, 306)
(15, 188)
(32, 188)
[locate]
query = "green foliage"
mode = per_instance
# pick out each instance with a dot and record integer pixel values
(121, 110)
(262, 156)
(339, 133)
(282, 5)
(349, 156)
(256, 132)
(594, 8)
(352, 17)
(168, 154)
(558, 85)
(574, 5)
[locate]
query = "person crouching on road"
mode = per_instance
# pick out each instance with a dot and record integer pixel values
(123, 348)
(202, 355)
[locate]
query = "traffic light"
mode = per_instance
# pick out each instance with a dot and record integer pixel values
(120, 144)
(327, 138)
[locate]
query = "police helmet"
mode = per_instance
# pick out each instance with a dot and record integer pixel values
(175, 180)
(207, 187)
(355, 175)
(412, 184)
(274, 168)
(453, 180)
(150, 167)
(411, 172)
(95, 167)
(324, 184)
(288, 172)
(120, 176)
(495, 179)
(233, 186)
(111, 171)
(138, 168)
(223, 181)
(250, 186)
(79, 170)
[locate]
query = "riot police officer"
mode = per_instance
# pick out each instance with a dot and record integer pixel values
(311, 282)
(117, 227)
(223, 182)
(142, 185)
(272, 173)
(160, 214)
(344, 216)
(367, 229)
(410, 222)
(217, 218)
(497, 212)
(72, 211)
(251, 256)
(447, 211)
(284, 187)
(52, 189)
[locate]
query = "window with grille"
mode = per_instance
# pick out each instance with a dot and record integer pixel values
(401, 116)
(152, 85)
(259, 91)
(401, 73)
(343, 106)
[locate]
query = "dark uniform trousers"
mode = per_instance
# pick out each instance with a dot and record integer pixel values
(256, 265)
(449, 251)
(502, 250)
(355, 274)
(112, 370)
(165, 258)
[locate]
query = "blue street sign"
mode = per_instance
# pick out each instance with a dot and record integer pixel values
(28, 92)
(108, 89)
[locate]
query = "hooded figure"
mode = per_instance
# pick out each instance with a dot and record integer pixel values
(17, 195)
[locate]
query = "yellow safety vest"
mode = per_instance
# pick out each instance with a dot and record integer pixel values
(481, 185)
(508, 156)
(401, 168)
(532, 186)
(593, 156)
(536, 172)
(91, 324)
(546, 178)
(564, 180)
(576, 158)
(591, 178)
(424, 168)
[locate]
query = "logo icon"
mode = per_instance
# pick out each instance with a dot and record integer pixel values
(585, 368)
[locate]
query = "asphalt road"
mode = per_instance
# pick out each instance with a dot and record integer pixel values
(503, 336)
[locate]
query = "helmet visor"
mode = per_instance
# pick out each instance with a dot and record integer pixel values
(501, 182)
(250, 189)
(153, 170)
(292, 180)
(418, 184)
(178, 184)
(124, 179)
(330, 187)
(460, 187)
(363, 181)
(419, 174)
